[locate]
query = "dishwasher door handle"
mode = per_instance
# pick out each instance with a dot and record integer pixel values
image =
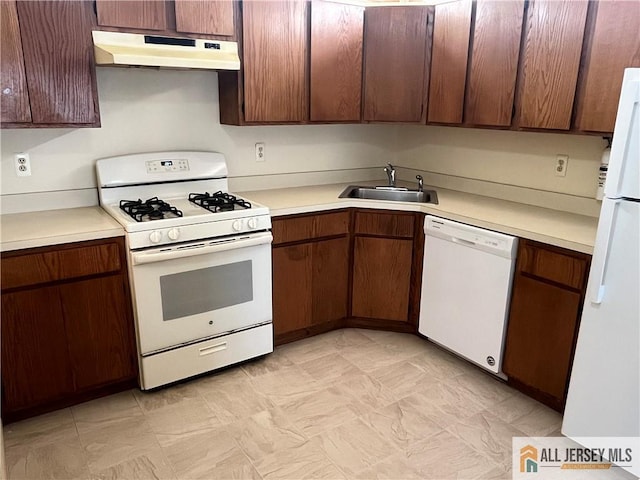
(462, 241)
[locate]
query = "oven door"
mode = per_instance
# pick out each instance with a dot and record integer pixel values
(185, 293)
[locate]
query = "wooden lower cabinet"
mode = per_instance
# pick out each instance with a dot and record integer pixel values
(381, 278)
(98, 325)
(35, 363)
(291, 288)
(387, 269)
(350, 268)
(310, 276)
(310, 287)
(546, 304)
(67, 328)
(330, 280)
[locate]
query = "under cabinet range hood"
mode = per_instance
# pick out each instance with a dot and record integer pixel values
(115, 48)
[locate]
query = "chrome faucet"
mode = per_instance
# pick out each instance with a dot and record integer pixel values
(420, 182)
(391, 174)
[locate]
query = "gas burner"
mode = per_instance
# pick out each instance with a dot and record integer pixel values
(218, 202)
(151, 209)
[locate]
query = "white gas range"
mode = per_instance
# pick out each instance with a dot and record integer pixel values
(199, 262)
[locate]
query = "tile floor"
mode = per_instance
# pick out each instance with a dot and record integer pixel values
(356, 404)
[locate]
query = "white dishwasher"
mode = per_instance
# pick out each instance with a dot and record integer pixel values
(466, 288)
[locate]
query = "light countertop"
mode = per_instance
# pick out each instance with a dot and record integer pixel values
(563, 229)
(568, 230)
(53, 227)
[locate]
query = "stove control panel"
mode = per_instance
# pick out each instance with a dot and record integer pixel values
(158, 237)
(166, 166)
(242, 224)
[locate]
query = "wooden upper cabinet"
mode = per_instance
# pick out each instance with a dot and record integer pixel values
(396, 63)
(145, 14)
(451, 30)
(213, 17)
(494, 62)
(336, 61)
(59, 63)
(13, 83)
(275, 49)
(613, 44)
(209, 17)
(554, 33)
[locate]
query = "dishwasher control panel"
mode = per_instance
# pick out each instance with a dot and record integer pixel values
(468, 235)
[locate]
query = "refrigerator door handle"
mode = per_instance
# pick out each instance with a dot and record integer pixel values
(627, 108)
(596, 287)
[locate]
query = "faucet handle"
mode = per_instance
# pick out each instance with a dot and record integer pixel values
(420, 182)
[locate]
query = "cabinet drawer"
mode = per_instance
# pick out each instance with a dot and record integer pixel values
(384, 224)
(313, 226)
(553, 265)
(35, 268)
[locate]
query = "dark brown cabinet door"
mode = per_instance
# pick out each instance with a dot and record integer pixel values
(451, 30)
(310, 285)
(145, 14)
(58, 56)
(381, 278)
(548, 291)
(395, 64)
(35, 358)
(13, 83)
(275, 51)
(292, 288)
(330, 280)
(336, 61)
(494, 62)
(554, 33)
(539, 345)
(212, 17)
(613, 44)
(67, 326)
(99, 328)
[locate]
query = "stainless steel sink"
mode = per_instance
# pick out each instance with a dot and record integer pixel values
(394, 194)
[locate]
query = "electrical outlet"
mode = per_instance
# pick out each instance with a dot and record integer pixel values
(23, 165)
(562, 162)
(260, 152)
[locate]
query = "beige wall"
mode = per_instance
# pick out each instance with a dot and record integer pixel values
(522, 159)
(151, 110)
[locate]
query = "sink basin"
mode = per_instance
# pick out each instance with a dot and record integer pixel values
(394, 194)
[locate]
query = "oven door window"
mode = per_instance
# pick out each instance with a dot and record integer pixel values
(205, 290)
(188, 298)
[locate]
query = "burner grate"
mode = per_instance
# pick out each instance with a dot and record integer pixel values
(218, 202)
(148, 210)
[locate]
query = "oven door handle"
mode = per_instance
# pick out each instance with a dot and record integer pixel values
(140, 258)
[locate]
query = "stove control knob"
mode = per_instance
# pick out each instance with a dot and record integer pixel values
(237, 225)
(174, 233)
(252, 223)
(155, 236)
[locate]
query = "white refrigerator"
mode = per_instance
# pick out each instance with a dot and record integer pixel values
(604, 387)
